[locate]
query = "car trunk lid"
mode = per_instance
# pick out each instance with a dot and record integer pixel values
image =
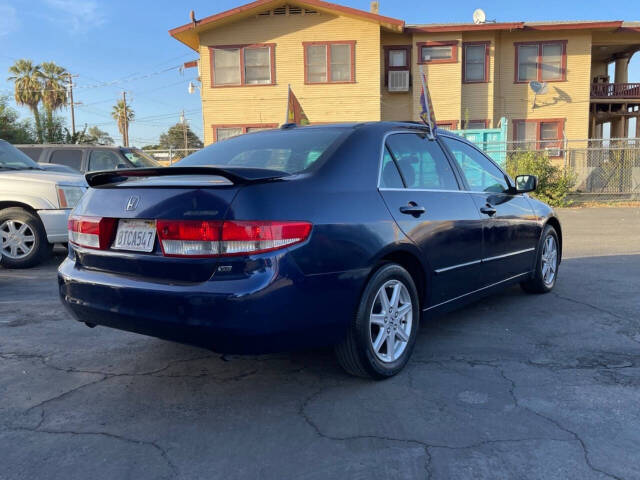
(187, 194)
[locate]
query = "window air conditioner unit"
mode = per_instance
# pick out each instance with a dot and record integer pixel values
(554, 152)
(398, 81)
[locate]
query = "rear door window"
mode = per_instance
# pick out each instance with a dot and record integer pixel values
(103, 160)
(422, 162)
(389, 176)
(69, 157)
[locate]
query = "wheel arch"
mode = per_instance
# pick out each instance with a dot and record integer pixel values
(15, 204)
(555, 223)
(411, 262)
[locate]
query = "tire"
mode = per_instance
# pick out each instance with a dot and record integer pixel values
(19, 224)
(357, 353)
(541, 281)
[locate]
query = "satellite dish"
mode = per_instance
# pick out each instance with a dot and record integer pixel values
(479, 16)
(539, 88)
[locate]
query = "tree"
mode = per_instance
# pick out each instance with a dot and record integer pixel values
(152, 147)
(54, 80)
(118, 114)
(28, 85)
(95, 135)
(11, 129)
(174, 139)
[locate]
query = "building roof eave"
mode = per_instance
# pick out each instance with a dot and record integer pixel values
(464, 27)
(188, 33)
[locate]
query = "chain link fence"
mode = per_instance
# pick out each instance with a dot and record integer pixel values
(170, 156)
(602, 170)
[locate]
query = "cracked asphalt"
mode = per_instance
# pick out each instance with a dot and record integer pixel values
(514, 386)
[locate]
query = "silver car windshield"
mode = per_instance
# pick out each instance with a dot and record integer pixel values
(13, 159)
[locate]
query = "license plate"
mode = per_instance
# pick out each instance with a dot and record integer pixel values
(135, 235)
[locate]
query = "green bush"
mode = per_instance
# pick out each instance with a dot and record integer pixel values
(554, 183)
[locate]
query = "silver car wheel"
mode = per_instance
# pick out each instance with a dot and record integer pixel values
(549, 260)
(390, 321)
(17, 239)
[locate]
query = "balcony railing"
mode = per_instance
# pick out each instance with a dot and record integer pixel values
(615, 90)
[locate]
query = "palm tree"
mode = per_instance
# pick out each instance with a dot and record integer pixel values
(54, 95)
(27, 80)
(118, 114)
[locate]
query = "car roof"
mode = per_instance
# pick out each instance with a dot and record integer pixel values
(389, 125)
(70, 145)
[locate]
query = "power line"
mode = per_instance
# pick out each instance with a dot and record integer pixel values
(112, 83)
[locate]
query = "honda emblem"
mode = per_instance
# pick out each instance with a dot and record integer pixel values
(132, 204)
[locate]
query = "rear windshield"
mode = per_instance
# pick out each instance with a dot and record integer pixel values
(289, 151)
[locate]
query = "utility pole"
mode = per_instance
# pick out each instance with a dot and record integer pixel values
(71, 104)
(125, 130)
(184, 132)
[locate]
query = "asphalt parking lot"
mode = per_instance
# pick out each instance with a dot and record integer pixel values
(515, 386)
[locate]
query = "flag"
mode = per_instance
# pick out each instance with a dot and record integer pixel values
(295, 114)
(427, 115)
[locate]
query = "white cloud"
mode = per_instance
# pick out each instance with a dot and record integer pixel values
(79, 15)
(8, 19)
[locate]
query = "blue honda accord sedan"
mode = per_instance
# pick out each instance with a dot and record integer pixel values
(343, 235)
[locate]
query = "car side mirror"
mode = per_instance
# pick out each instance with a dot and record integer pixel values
(526, 183)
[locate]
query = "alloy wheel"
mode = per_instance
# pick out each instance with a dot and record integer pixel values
(390, 321)
(549, 260)
(17, 239)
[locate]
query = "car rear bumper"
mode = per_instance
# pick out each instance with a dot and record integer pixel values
(55, 224)
(275, 309)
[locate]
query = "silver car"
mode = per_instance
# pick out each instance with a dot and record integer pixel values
(34, 207)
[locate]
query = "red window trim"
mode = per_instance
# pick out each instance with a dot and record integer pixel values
(243, 126)
(487, 46)
(453, 124)
(388, 68)
(539, 44)
(272, 50)
(539, 121)
(486, 121)
(449, 43)
(351, 43)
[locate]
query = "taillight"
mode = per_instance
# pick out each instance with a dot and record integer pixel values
(195, 238)
(240, 238)
(189, 238)
(91, 232)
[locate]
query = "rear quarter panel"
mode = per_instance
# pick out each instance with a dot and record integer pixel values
(352, 227)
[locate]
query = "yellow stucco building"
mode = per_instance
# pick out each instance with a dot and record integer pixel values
(345, 65)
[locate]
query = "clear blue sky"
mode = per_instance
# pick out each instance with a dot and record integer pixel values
(116, 45)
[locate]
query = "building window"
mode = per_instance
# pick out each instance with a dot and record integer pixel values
(541, 61)
(448, 124)
(476, 62)
(438, 52)
(241, 65)
(329, 62)
(223, 132)
(544, 134)
(396, 58)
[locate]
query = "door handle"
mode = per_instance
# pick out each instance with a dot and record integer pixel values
(413, 209)
(488, 209)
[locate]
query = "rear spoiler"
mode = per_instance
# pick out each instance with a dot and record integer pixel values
(237, 175)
